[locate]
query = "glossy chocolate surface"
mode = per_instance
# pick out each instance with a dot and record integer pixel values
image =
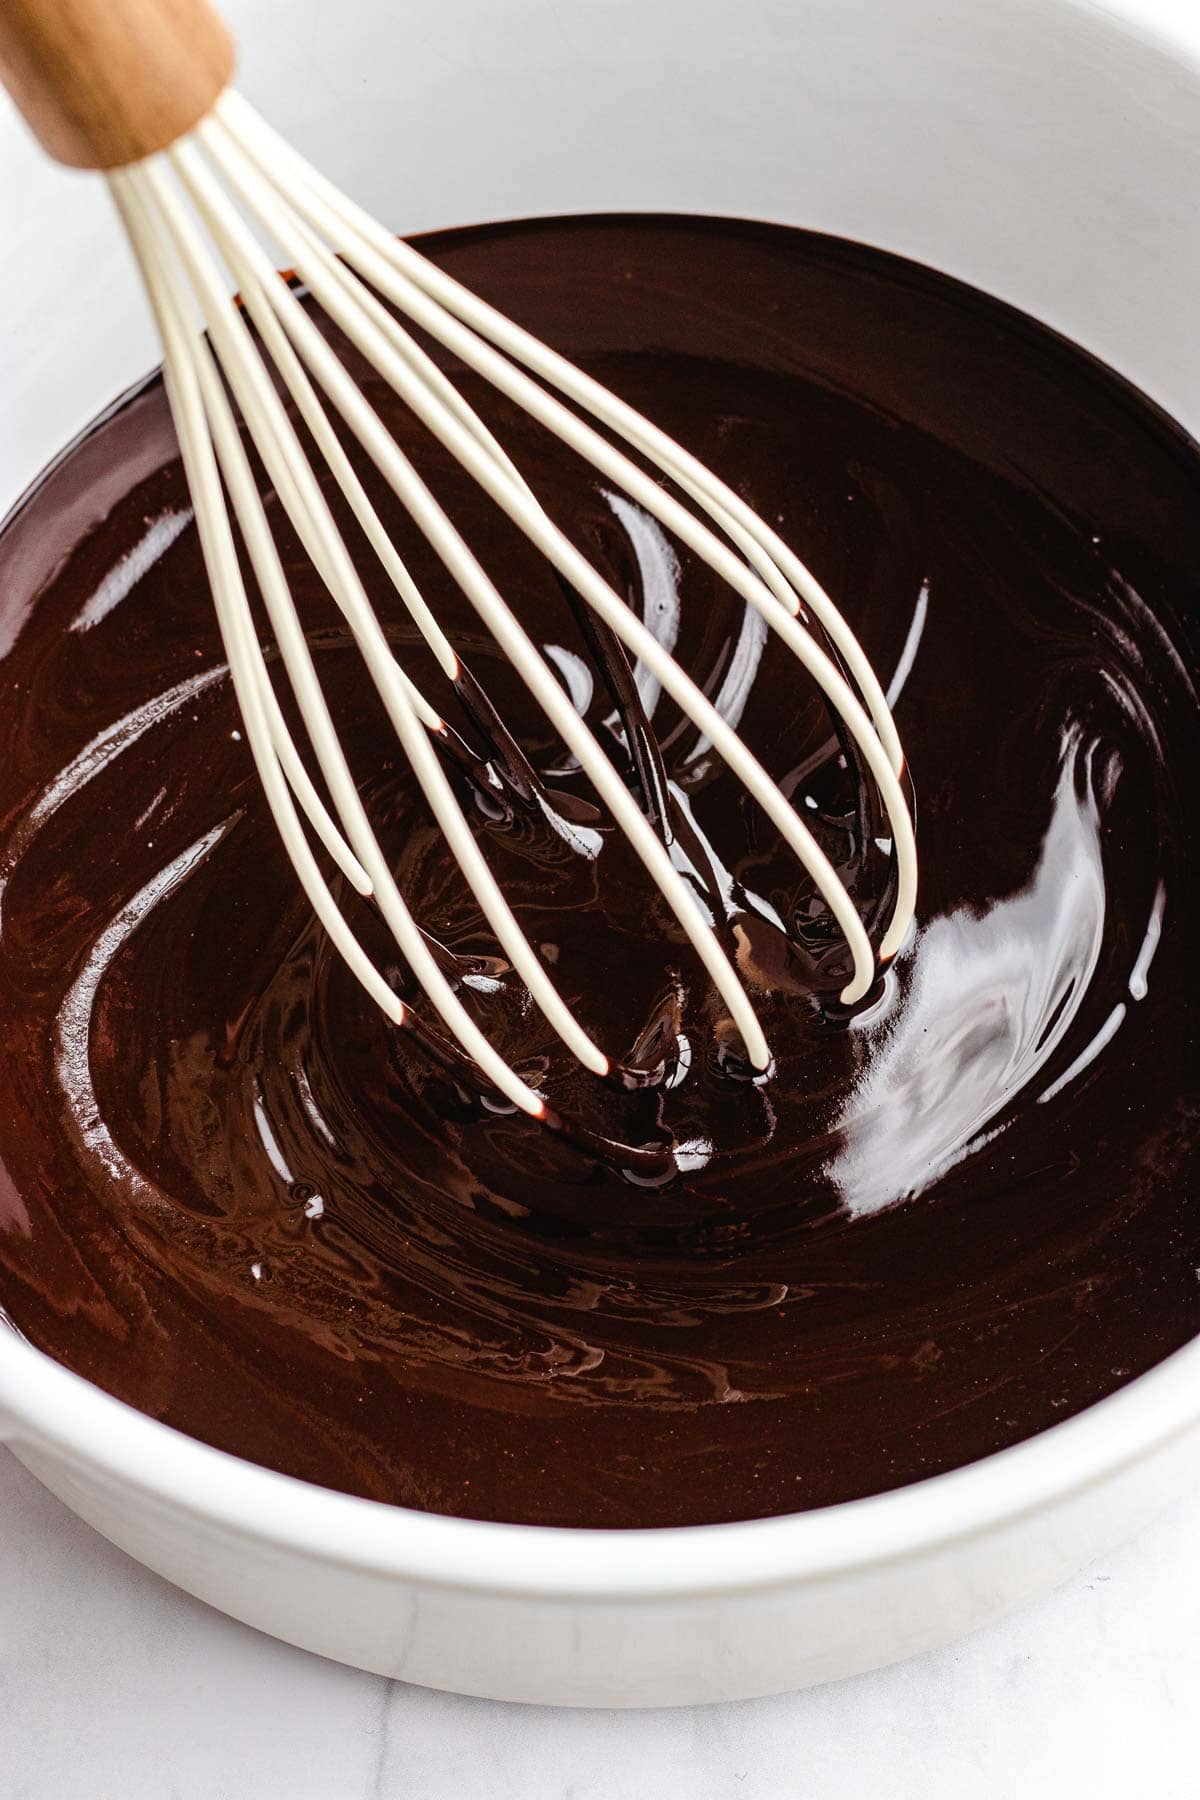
(233, 1195)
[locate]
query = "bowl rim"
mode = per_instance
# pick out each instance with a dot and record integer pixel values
(46, 1406)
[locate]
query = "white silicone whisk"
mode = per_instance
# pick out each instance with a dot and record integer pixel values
(214, 202)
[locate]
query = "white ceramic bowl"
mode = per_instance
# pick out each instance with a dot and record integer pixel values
(1049, 152)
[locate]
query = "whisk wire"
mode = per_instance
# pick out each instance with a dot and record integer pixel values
(332, 283)
(351, 266)
(306, 507)
(260, 404)
(338, 293)
(425, 510)
(204, 480)
(274, 157)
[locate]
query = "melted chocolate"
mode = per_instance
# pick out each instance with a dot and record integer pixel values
(233, 1195)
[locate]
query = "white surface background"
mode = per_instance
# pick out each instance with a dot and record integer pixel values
(113, 1686)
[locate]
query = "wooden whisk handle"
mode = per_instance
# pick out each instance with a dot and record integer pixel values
(105, 82)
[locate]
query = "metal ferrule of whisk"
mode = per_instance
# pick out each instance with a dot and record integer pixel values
(233, 184)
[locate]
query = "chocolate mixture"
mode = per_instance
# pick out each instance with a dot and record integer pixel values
(233, 1195)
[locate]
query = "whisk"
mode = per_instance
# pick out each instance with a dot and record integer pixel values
(214, 203)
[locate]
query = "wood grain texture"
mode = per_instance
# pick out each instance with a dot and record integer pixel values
(105, 82)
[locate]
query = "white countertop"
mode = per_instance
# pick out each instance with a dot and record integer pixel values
(114, 1686)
